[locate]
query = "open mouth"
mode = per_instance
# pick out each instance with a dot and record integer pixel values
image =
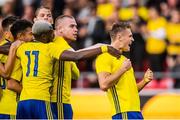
(75, 35)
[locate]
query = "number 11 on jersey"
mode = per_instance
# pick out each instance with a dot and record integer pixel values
(29, 55)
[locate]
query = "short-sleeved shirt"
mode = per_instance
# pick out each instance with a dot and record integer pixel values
(123, 96)
(63, 74)
(8, 102)
(37, 61)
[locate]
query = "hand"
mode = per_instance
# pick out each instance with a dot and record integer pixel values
(1, 93)
(126, 64)
(148, 76)
(16, 44)
(4, 49)
(114, 52)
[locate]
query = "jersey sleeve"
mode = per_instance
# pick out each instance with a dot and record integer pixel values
(17, 71)
(103, 63)
(55, 51)
(75, 71)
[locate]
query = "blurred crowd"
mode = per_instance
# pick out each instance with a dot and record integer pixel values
(155, 26)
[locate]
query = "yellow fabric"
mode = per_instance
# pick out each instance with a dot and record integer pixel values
(124, 95)
(63, 74)
(126, 13)
(143, 12)
(37, 82)
(155, 45)
(173, 35)
(75, 71)
(8, 103)
(105, 10)
(104, 49)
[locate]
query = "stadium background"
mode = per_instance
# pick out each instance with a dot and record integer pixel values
(151, 20)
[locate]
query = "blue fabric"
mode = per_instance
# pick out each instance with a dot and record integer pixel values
(67, 110)
(4, 116)
(130, 115)
(33, 109)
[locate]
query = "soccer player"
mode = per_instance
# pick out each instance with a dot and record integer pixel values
(37, 58)
(66, 32)
(35, 97)
(116, 76)
(9, 87)
(43, 13)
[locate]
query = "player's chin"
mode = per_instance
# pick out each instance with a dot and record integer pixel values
(127, 49)
(73, 38)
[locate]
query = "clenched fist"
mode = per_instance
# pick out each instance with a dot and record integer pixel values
(148, 76)
(126, 64)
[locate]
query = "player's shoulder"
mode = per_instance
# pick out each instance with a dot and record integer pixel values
(4, 42)
(61, 42)
(105, 56)
(58, 39)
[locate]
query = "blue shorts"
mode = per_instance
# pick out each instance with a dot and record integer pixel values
(34, 109)
(128, 115)
(62, 110)
(5, 116)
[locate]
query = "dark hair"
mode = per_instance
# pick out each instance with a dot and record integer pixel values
(7, 21)
(44, 37)
(20, 26)
(38, 9)
(62, 17)
(118, 27)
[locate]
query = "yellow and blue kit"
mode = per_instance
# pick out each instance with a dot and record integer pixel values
(8, 102)
(64, 71)
(123, 96)
(37, 61)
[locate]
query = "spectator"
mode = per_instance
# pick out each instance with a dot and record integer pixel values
(155, 44)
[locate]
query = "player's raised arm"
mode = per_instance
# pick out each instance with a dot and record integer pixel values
(5, 70)
(4, 49)
(105, 77)
(88, 53)
(148, 76)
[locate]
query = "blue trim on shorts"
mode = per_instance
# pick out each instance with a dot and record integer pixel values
(34, 109)
(67, 110)
(4, 116)
(128, 115)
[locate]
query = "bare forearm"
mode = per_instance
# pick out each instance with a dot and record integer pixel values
(4, 49)
(111, 79)
(14, 86)
(10, 61)
(141, 85)
(80, 55)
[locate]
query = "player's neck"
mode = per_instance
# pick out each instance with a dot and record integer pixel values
(68, 41)
(116, 46)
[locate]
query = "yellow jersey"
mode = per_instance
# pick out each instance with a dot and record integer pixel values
(8, 102)
(37, 60)
(124, 95)
(156, 45)
(64, 71)
(173, 35)
(105, 10)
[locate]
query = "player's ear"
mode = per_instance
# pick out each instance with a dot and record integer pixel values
(35, 19)
(20, 36)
